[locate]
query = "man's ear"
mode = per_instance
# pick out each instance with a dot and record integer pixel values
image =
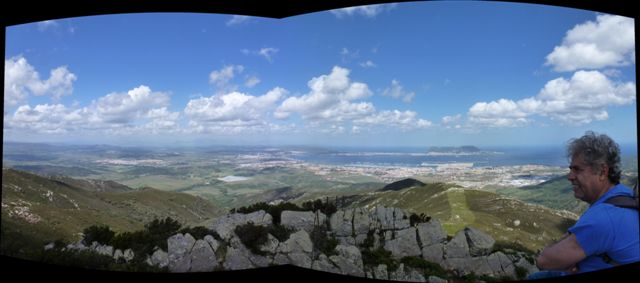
(604, 170)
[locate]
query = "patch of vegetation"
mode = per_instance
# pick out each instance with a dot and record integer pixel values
(521, 272)
(198, 232)
(252, 236)
(97, 233)
(280, 232)
(326, 207)
(380, 256)
(427, 267)
(415, 219)
(369, 241)
(273, 210)
(322, 242)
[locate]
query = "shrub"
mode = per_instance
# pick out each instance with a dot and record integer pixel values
(415, 219)
(322, 242)
(197, 232)
(379, 256)
(252, 236)
(428, 268)
(369, 241)
(280, 232)
(273, 210)
(325, 207)
(97, 233)
(521, 272)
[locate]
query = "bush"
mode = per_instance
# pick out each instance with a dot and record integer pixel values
(280, 232)
(252, 236)
(273, 210)
(97, 233)
(322, 242)
(428, 268)
(197, 232)
(369, 241)
(379, 256)
(325, 207)
(415, 219)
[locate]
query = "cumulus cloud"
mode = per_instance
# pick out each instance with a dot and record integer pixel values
(609, 41)
(233, 110)
(396, 91)
(405, 120)
(369, 11)
(138, 111)
(222, 78)
(452, 121)
(329, 93)
(121, 108)
(21, 79)
(580, 100)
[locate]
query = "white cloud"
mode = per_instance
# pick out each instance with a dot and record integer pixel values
(122, 108)
(405, 120)
(327, 91)
(370, 11)
(233, 110)
(396, 91)
(251, 81)
(237, 20)
(222, 77)
(21, 79)
(268, 53)
(610, 41)
(368, 64)
(139, 111)
(581, 100)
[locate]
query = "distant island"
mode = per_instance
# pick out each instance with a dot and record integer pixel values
(454, 149)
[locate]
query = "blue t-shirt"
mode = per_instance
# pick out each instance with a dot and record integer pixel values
(605, 228)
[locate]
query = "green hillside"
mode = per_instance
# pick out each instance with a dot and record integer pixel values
(505, 219)
(44, 209)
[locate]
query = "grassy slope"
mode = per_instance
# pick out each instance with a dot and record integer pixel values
(503, 218)
(54, 203)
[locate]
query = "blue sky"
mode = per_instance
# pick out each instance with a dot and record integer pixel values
(409, 74)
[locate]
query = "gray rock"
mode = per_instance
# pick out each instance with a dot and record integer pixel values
(298, 242)
(302, 220)
(433, 253)
(237, 259)
(225, 225)
(324, 264)
(350, 253)
(300, 259)
(346, 266)
(118, 254)
(49, 246)
(406, 274)
(457, 247)
(203, 258)
(271, 245)
(179, 249)
(259, 260)
(159, 258)
(389, 218)
(404, 244)
(361, 221)
(431, 232)
(129, 255)
(480, 243)
(281, 259)
(380, 272)
(104, 250)
(212, 242)
(341, 223)
(435, 279)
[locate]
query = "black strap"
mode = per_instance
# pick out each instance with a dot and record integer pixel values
(623, 201)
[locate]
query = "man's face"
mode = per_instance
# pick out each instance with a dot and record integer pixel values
(587, 183)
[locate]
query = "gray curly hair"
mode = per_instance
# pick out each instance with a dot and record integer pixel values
(596, 149)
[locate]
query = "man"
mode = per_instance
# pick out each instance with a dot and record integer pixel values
(605, 235)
